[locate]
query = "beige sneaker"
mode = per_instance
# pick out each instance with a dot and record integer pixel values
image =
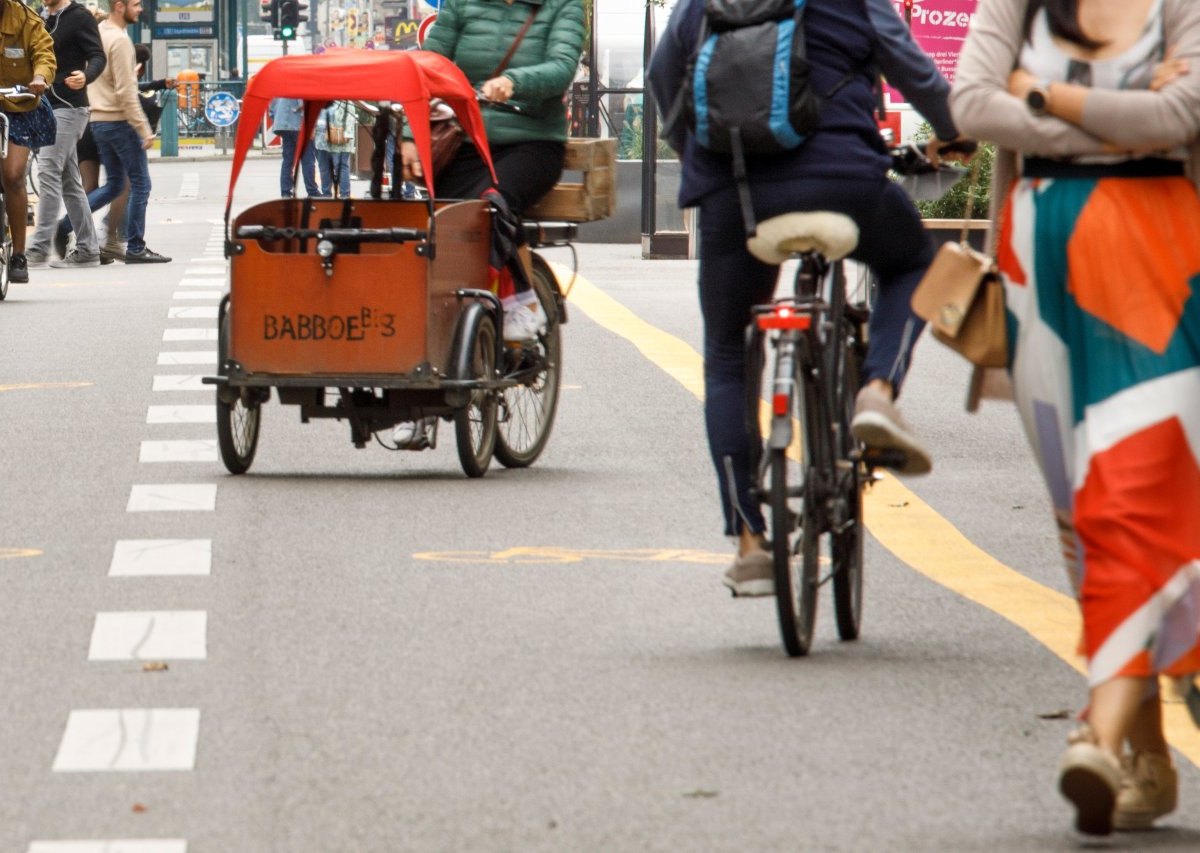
(1149, 790)
(1090, 777)
(751, 575)
(878, 425)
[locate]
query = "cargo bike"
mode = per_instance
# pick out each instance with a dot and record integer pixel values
(380, 311)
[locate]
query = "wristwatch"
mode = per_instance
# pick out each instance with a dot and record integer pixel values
(1038, 98)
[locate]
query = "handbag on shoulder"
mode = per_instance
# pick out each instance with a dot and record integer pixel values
(962, 298)
(335, 134)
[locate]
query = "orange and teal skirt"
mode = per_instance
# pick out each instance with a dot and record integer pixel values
(1101, 280)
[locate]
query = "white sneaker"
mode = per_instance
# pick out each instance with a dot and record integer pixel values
(414, 435)
(523, 323)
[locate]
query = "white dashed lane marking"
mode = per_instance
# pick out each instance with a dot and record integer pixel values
(192, 312)
(116, 845)
(205, 271)
(188, 357)
(164, 497)
(140, 739)
(175, 335)
(207, 281)
(181, 382)
(161, 557)
(181, 414)
(180, 450)
(213, 295)
(189, 187)
(150, 635)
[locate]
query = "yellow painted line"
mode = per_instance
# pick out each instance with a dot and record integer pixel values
(903, 523)
(32, 386)
(17, 553)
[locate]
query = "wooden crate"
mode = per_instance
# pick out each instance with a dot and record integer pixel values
(595, 197)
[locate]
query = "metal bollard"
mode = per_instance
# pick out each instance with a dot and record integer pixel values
(168, 125)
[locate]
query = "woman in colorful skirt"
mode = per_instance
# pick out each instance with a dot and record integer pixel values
(1096, 223)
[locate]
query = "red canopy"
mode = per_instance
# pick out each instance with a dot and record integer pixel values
(407, 77)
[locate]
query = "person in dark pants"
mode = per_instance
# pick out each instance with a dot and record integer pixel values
(89, 166)
(842, 166)
(287, 117)
(121, 131)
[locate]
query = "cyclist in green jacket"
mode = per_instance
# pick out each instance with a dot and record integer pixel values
(524, 54)
(527, 146)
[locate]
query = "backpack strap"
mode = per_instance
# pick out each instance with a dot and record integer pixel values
(745, 201)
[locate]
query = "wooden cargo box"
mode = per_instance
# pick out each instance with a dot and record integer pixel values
(595, 197)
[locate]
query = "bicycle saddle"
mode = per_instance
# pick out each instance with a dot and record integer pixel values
(834, 235)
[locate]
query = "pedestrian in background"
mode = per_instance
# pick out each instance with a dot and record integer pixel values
(121, 131)
(80, 57)
(28, 61)
(1099, 247)
(336, 140)
(287, 117)
(114, 244)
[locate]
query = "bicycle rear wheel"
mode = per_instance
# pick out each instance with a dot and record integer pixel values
(796, 563)
(527, 410)
(847, 553)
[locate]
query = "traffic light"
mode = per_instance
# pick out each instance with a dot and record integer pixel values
(269, 12)
(290, 18)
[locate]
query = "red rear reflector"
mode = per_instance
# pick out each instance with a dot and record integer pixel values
(784, 321)
(780, 404)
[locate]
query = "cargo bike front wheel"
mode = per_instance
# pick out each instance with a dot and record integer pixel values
(239, 410)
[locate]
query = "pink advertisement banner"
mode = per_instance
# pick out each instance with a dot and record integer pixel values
(940, 27)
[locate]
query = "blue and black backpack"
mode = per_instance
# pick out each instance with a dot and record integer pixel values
(747, 89)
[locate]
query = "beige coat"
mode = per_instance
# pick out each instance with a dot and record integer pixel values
(983, 109)
(114, 94)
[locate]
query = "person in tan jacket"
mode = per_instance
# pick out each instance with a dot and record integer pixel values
(121, 131)
(26, 59)
(1095, 105)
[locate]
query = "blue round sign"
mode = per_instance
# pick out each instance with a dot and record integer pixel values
(221, 109)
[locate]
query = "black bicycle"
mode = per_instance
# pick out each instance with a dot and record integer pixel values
(810, 470)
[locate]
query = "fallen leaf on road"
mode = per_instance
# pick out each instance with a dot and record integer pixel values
(138, 808)
(1064, 714)
(154, 666)
(701, 795)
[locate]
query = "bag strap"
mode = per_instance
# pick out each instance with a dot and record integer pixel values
(964, 237)
(969, 212)
(516, 43)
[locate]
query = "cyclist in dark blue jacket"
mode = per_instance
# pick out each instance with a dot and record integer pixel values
(841, 167)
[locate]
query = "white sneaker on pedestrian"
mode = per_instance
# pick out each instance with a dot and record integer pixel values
(75, 258)
(523, 323)
(35, 259)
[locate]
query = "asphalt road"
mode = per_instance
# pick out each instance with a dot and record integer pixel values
(365, 651)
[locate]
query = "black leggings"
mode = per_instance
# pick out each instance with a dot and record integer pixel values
(526, 170)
